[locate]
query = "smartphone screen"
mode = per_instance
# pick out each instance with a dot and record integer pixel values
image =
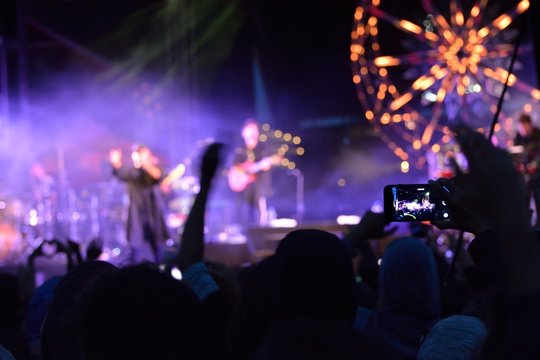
(413, 202)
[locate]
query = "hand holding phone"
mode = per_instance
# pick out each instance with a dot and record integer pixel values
(414, 202)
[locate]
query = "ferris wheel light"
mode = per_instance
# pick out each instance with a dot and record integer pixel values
(383, 61)
(502, 22)
(399, 102)
(409, 26)
(459, 18)
(461, 61)
(523, 6)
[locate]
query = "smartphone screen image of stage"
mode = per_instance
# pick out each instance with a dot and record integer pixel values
(413, 202)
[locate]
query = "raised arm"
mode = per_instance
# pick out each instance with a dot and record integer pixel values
(192, 244)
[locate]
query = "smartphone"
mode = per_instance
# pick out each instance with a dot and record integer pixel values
(413, 202)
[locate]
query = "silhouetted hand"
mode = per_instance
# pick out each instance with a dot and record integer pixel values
(489, 192)
(464, 216)
(371, 226)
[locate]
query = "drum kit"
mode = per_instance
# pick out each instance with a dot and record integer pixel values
(98, 211)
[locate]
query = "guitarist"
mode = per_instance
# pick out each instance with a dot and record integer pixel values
(250, 175)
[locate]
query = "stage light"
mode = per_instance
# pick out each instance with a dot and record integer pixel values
(176, 273)
(263, 137)
(278, 133)
(283, 223)
(297, 140)
(300, 151)
(266, 127)
(348, 219)
(341, 182)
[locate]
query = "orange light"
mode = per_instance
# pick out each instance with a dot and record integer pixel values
(461, 89)
(436, 148)
(372, 21)
(409, 26)
(383, 61)
(416, 84)
(357, 49)
(385, 118)
(483, 32)
(446, 139)
(448, 36)
(359, 13)
(441, 94)
(426, 83)
(360, 30)
(396, 118)
(392, 89)
(431, 36)
(383, 72)
(376, 2)
(373, 31)
(380, 95)
(527, 108)
(417, 144)
(475, 11)
(502, 21)
(399, 102)
(428, 133)
(364, 70)
(441, 73)
(354, 35)
(354, 56)
(369, 115)
(356, 79)
(404, 166)
(375, 46)
(442, 21)
(459, 18)
(523, 6)
(535, 94)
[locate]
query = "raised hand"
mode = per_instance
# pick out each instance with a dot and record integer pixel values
(115, 157)
(492, 183)
(464, 215)
(210, 162)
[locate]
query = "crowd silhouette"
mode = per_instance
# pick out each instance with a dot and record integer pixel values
(318, 297)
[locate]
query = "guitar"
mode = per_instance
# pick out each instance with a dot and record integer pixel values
(175, 174)
(241, 175)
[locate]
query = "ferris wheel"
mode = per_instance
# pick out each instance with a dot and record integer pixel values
(419, 69)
